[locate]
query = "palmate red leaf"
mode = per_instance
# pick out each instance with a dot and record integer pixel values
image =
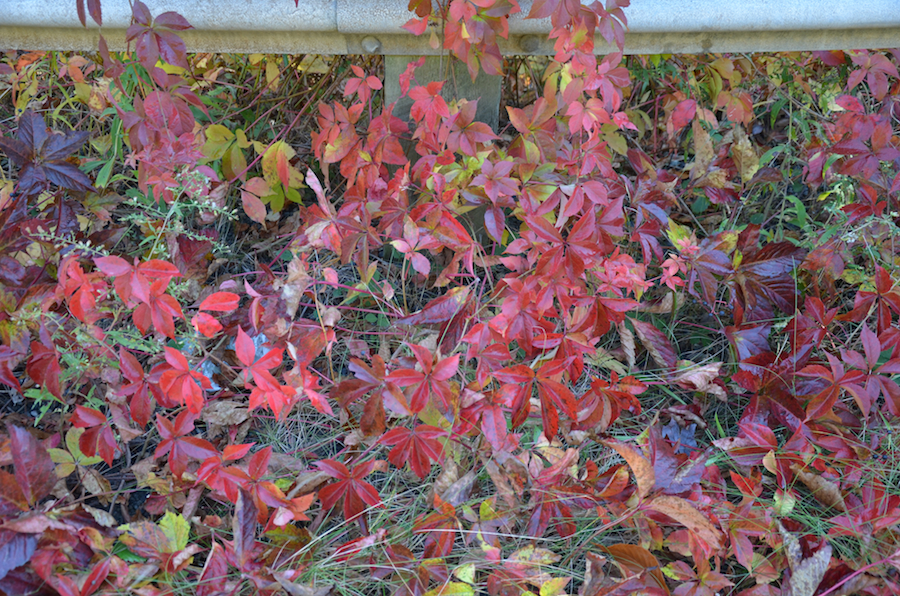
(244, 348)
(763, 276)
(135, 281)
(98, 438)
(711, 261)
(154, 39)
(278, 397)
(350, 487)
(885, 297)
(432, 381)
(260, 369)
(836, 379)
(419, 447)
(94, 9)
(7, 357)
(141, 393)
(42, 155)
(15, 550)
(253, 205)
(422, 8)
(215, 573)
(182, 384)
(179, 444)
(493, 425)
(159, 311)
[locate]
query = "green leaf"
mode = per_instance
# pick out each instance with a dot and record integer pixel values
(103, 176)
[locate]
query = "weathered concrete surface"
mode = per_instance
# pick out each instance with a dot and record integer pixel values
(348, 26)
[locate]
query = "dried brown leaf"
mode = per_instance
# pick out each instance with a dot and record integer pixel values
(640, 466)
(627, 338)
(744, 155)
(94, 482)
(806, 574)
(222, 414)
(593, 574)
(634, 560)
(825, 491)
(684, 513)
(703, 150)
(701, 377)
(501, 482)
(293, 589)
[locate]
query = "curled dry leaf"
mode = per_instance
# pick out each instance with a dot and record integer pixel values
(825, 491)
(502, 483)
(284, 580)
(744, 155)
(627, 339)
(293, 286)
(670, 303)
(94, 482)
(807, 573)
(701, 377)
(593, 574)
(223, 412)
(330, 316)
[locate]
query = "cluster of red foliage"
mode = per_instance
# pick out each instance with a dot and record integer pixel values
(520, 313)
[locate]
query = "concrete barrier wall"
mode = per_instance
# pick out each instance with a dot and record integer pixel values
(373, 26)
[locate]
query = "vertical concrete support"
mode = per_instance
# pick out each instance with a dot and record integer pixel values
(459, 85)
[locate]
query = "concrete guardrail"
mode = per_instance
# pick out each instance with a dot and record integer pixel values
(373, 26)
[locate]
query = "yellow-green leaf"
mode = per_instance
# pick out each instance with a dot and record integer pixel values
(176, 529)
(466, 573)
(553, 587)
(452, 589)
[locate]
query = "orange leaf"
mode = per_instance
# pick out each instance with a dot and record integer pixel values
(640, 465)
(634, 560)
(684, 513)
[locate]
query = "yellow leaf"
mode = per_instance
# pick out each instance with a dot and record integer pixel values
(452, 589)
(82, 92)
(466, 573)
(241, 137)
(677, 232)
(554, 586)
(176, 529)
(273, 75)
(65, 463)
(218, 133)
